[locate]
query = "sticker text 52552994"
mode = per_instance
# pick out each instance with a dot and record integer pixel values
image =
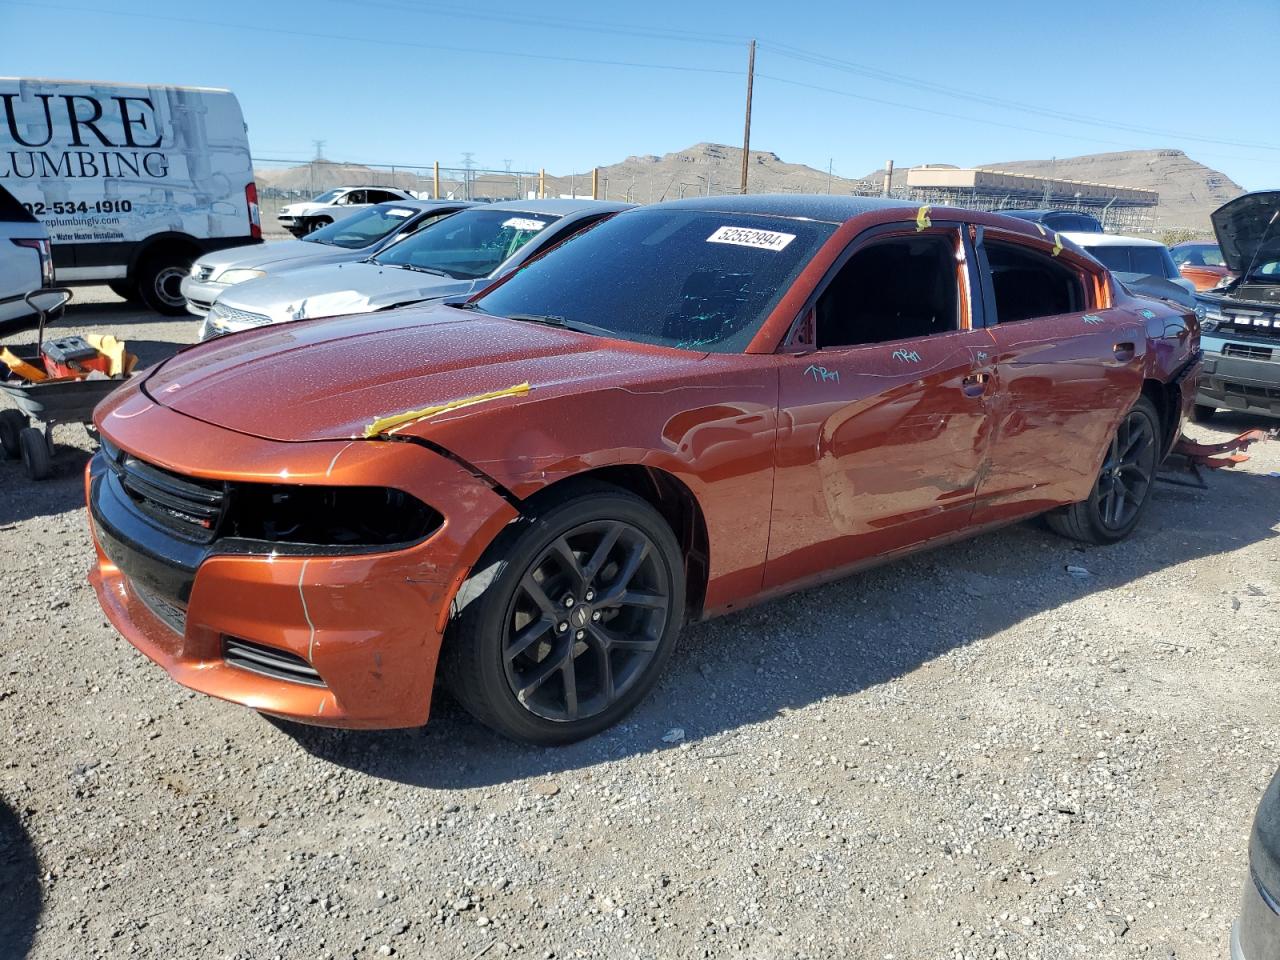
(748, 237)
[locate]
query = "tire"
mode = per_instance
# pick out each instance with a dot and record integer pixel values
(1203, 413)
(315, 223)
(125, 290)
(608, 650)
(160, 281)
(36, 455)
(1123, 489)
(12, 423)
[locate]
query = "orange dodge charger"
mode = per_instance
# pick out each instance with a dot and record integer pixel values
(689, 408)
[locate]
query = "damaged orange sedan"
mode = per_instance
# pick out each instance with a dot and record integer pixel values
(691, 407)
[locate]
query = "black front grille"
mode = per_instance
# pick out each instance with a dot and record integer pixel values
(268, 661)
(1246, 350)
(185, 505)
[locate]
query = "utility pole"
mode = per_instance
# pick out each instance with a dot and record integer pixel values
(746, 131)
(468, 175)
(320, 145)
(830, 161)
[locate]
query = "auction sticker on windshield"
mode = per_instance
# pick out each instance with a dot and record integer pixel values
(399, 212)
(522, 223)
(746, 237)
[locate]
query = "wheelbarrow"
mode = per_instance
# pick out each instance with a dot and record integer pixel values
(51, 401)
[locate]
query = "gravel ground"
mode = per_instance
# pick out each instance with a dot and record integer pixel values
(970, 753)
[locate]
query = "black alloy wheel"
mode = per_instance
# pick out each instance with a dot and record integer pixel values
(569, 618)
(1124, 484)
(1128, 471)
(586, 621)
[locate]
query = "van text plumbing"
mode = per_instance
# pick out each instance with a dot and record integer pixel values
(135, 116)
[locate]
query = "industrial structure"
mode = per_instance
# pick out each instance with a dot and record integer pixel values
(1121, 209)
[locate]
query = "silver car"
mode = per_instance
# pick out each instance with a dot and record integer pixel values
(355, 238)
(452, 258)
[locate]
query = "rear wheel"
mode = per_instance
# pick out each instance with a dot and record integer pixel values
(160, 282)
(36, 455)
(569, 620)
(12, 423)
(315, 223)
(1124, 483)
(1203, 413)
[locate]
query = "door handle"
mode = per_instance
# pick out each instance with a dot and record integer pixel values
(1124, 352)
(975, 384)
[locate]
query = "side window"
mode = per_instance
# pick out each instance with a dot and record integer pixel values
(382, 196)
(355, 196)
(890, 290)
(1030, 284)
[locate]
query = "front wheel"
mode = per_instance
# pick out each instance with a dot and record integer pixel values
(1124, 483)
(569, 619)
(125, 290)
(160, 283)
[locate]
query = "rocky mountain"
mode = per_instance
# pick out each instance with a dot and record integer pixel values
(1189, 191)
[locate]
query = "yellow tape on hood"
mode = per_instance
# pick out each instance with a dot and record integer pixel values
(393, 422)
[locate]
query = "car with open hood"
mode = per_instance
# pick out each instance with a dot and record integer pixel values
(1242, 316)
(357, 237)
(692, 407)
(452, 258)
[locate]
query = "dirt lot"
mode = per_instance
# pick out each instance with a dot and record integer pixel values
(968, 754)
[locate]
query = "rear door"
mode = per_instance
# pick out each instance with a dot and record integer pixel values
(883, 429)
(1067, 366)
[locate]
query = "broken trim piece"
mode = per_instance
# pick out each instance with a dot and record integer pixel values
(393, 422)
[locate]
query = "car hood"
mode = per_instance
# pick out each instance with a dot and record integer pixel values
(331, 379)
(260, 256)
(1146, 285)
(1241, 226)
(330, 290)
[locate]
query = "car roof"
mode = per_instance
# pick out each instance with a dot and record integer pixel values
(796, 206)
(560, 207)
(1108, 240)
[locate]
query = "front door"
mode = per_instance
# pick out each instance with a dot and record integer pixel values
(881, 444)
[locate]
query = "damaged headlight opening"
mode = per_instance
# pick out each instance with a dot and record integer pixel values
(326, 516)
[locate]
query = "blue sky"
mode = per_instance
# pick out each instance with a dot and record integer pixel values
(411, 82)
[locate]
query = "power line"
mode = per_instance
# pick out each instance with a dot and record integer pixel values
(379, 41)
(885, 76)
(559, 23)
(951, 115)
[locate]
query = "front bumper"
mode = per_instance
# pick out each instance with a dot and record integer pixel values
(370, 625)
(1240, 383)
(200, 294)
(1256, 934)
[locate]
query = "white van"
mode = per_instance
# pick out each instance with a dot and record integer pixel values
(133, 183)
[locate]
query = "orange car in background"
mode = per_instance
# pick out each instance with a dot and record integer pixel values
(1200, 261)
(692, 407)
